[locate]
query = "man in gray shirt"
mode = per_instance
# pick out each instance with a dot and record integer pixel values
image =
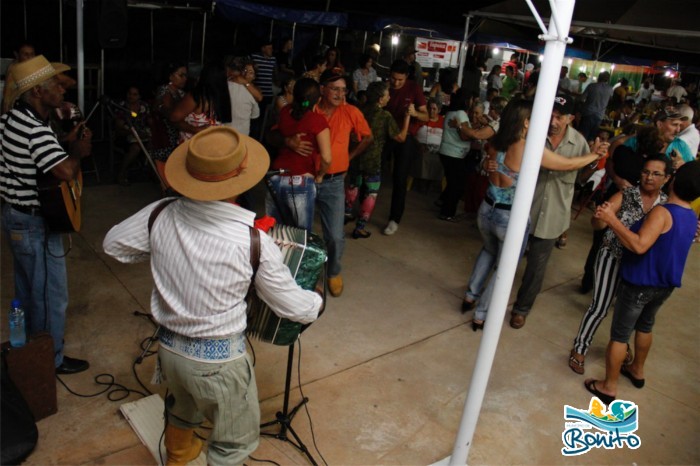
(595, 98)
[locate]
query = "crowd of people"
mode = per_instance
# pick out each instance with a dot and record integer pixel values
(334, 136)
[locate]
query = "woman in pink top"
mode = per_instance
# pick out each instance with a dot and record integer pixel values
(207, 105)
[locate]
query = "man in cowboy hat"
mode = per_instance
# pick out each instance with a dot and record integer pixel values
(200, 251)
(29, 147)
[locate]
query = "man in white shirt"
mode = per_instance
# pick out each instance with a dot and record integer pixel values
(243, 93)
(689, 132)
(645, 92)
(200, 252)
(677, 92)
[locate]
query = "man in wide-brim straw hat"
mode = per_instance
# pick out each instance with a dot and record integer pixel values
(28, 147)
(200, 252)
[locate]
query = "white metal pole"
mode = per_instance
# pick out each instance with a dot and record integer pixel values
(597, 57)
(152, 38)
(81, 54)
(60, 31)
(24, 9)
(204, 36)
(463, 50)
(537, 134)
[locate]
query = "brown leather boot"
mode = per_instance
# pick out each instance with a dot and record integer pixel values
(182, 445)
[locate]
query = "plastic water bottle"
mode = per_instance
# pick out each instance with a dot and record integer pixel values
(18, 333)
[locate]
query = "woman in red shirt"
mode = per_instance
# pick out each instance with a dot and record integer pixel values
(296, 189)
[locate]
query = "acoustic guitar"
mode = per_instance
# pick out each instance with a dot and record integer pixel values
(60, 202)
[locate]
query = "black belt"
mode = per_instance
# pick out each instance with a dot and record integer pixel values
(490, 202)
(34, 211)
(330, 176)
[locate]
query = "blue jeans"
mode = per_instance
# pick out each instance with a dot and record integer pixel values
(493, 224)
(296, 196)
(330, 199)
(41, 283)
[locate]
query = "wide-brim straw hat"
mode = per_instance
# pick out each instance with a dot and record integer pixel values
(216, 164)
(30, 73)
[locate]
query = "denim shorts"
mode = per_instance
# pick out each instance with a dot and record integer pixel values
(636, 309)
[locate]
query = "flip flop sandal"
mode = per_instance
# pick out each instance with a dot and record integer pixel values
(604, 397)
(576, 365)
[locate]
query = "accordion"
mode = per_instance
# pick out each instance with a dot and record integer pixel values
(305, 255)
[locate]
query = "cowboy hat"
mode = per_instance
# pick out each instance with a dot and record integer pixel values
(30, 73)
(216, 164)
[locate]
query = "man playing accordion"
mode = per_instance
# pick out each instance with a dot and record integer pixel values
(200, 252)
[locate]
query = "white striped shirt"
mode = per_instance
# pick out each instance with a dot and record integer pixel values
(26, 144)
(200, 261)
(264, 73)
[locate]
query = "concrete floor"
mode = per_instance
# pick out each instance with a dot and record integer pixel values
(387, 367)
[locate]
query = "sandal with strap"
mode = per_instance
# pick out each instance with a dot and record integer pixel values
(576, 365)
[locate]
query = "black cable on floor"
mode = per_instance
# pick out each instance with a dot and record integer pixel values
(116, 391)
(112, 388)
(263, 461)
(306, 405)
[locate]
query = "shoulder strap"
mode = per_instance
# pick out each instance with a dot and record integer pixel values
(156, 212)
(254, 250)
(254, 257)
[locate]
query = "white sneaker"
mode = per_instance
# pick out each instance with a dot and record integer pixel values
(391, 228)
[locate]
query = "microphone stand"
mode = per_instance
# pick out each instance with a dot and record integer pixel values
(284, 418)
(110, 105)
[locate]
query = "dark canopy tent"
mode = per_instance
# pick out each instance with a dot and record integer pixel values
(412, 26)
(282, 22)
(242, 11)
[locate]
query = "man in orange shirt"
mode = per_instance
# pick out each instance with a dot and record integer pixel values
(343, 120)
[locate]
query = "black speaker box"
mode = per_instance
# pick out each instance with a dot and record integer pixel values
(31, 368)
(113, 27)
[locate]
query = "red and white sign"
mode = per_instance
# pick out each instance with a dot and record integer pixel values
(437, 53)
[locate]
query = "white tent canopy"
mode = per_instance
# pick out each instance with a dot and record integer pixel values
(646, 23)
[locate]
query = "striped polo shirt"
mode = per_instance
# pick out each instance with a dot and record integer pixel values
(26, 144)
(264, 69)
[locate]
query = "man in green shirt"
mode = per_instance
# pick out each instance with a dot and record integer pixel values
(510, 84)
(550, 214)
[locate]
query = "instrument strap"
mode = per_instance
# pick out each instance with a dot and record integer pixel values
(254, 257)
(156, 212)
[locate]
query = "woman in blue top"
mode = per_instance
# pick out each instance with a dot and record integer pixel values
(652, 266)
(505, 156)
